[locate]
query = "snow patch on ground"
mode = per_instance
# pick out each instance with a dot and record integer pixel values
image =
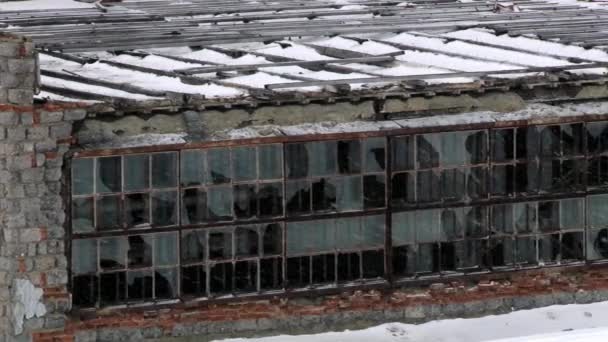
(571, 323)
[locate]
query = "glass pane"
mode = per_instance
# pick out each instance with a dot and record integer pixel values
(194, 206)
(503, 145)
(404, 228)
(427, 225)
(113, 288)
(108, 213)
(324, 194)
(526, 250)
(526, 178)
(427, 258)
(273, 239)
(220, 278)
(502, 219)
(270, 160)
(108, 174)
(192, 167)
(548, 216)
(597, 172)
(246, 241)
(220, 203)
(164, 170)
(297, 160)
(550, 141)
(372, 231)
(374, 191)
(597, 244)
(525, 217)
(246, 276)
(82, 176)
(270, 197)
(428, 150)
(573, 136)
(137, 210)
(477, 182)
(140, 285)
(452, 224)
(503, 180)
(245, 201)
(572, 214)
(165, 283)
(137, 172)
(82, 215)
(573, 175)
(244, 161)
(298, 197)
(84, 256)
(348, 233)
(597, 137)
(323, 158)
(349, 156)
(218, 166)
(403, 153)
(375, 154)
(526, 144)
(193, 246)
(403, 189)
(427, 186)
(550, 175)
(476, 146)
(220, 245)
(112, 253)
(140, 250)
(548, 248)
(476, 222)
(453, 151)
(597, 214)
(165, 249)
(453, 182)
(164, 208)
(501, 252)
(349, 193)
(310, 237)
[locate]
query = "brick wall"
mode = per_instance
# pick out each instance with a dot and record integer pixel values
(18, 72)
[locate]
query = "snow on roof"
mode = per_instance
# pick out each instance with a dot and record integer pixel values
(213, 50)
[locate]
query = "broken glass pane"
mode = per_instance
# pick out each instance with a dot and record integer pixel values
(165, 249)
(108, 213)
(220, 279)
(572, 213)
(108, 174)
(597, 244)
(452, 224)
(573, 137)
(82, 215)
(404, 261)
(244, 162)
(548, 248)
(246, 241)
(427, 225)
(476, 219)
(218, 166)
(573, 246)
(526, 145)
(271, 273)
(525, 217)
(374, 191)
(503, 180)
(375, 154)
(82, 176)
(137, 210)
(193, 246)
(427, 186)
(573, 175)
(84, 291)
(140, 285)
(503, 145)
(349, 156)
(245, 201)
(428, 150)
(476, 147)
(164, 208)
(372, 264)
(164, 170)
(404, 228)
(219, 203)
(323, 158)
(297, 160)
(525, 250)
(194, 206)
(471, 254)
(550, 141)
(113, 288)
(112, 253)
(165, 283)
(84, 256)
(220, 245)
(597, 211)
(270, 197)
(477, 182)
(270, 159)
(140, 250)
(427, 258)
(137, 172)
(246, 276)
(349, 266)
(298, 271)
(502, 219)
(501, 252)
(447, 256)
(324, 195)
(403, 189)
(526, 178)
(597, 172)
(324, 268)
(453, 184)
(273, 239)
(548, 216)
(298, 197)
(403, 153)
(349, 193)
(194, 281)
(192, 167)
(597, 137)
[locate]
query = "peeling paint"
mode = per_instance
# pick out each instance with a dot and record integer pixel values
(27, 303)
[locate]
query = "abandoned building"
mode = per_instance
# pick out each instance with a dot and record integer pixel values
(213, 168)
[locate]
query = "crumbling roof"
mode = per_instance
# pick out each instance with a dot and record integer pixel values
(179, 52)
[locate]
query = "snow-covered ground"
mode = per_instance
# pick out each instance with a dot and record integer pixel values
(43, 4)
(559, 323)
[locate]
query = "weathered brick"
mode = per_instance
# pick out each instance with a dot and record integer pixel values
(49, 117)
(74, 114)
(37, 133)
(21, 96)
(8, 118)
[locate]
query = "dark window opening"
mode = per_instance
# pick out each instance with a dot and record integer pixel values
(271, 274)
(221, 278)
(349, 156)
(194, 281)
(323, 268)
(404, 261)
(349, 266)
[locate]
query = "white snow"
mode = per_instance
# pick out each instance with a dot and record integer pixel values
(43, 4)
(549, 324)
(296, 51)
(369, 47)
